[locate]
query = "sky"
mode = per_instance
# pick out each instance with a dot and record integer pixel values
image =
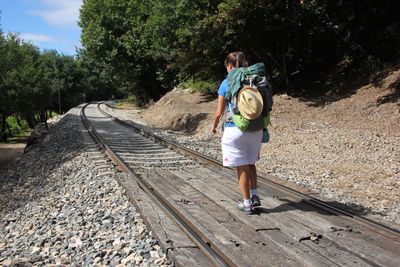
(49, 24)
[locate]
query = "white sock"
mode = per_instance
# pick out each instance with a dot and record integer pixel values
(253, 192)
(247, 202)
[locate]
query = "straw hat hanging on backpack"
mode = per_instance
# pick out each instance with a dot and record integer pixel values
(250, 103)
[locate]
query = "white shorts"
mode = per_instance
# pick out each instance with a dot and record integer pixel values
(240, 148)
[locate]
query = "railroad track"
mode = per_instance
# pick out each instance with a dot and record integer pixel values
(198, 196)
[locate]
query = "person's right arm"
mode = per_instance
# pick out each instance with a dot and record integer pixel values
(218, 113)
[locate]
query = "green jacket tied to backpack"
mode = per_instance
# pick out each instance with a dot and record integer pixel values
(239, 81)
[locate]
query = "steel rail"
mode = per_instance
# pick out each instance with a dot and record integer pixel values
(372, 225)
(212, 252)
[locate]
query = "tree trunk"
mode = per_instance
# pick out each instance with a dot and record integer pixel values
(31, 122)
(3, 134)
(43, 118)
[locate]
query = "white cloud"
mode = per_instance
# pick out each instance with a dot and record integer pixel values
(60, 12)
(36, 37)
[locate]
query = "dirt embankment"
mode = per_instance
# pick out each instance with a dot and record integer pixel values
(9, 152)
(182, 111)
(348, 150)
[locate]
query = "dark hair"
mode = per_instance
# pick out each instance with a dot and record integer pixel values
(237, 59)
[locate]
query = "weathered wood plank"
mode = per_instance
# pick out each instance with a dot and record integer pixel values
(240, 244)
(289, 223)
(271, 230)
(276, 209)
(172, 239)
(252, 237)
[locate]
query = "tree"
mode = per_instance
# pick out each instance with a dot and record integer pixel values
(148, 47)
(16, 68)
(30, 82)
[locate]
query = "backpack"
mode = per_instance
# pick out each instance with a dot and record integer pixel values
(254, 77)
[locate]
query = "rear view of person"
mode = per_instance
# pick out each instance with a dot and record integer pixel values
(240, 148)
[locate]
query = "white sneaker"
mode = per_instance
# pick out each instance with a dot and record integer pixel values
(245, 209)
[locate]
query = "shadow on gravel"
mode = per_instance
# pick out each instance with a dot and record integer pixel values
(392, 97)
(348, 87)
(39, 170)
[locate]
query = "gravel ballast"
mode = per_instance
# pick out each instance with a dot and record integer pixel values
(57, 208)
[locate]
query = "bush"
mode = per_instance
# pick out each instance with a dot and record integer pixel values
(17, 128)
(199, 86)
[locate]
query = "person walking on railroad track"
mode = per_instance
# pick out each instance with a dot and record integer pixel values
(242, 131)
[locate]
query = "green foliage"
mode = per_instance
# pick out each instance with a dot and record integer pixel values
(132, 99)
(129, 103)
(199, 86)
(16, 126)
(33, 82)
(146, 48)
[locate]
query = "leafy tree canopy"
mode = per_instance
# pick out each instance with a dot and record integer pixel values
(147, 47)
